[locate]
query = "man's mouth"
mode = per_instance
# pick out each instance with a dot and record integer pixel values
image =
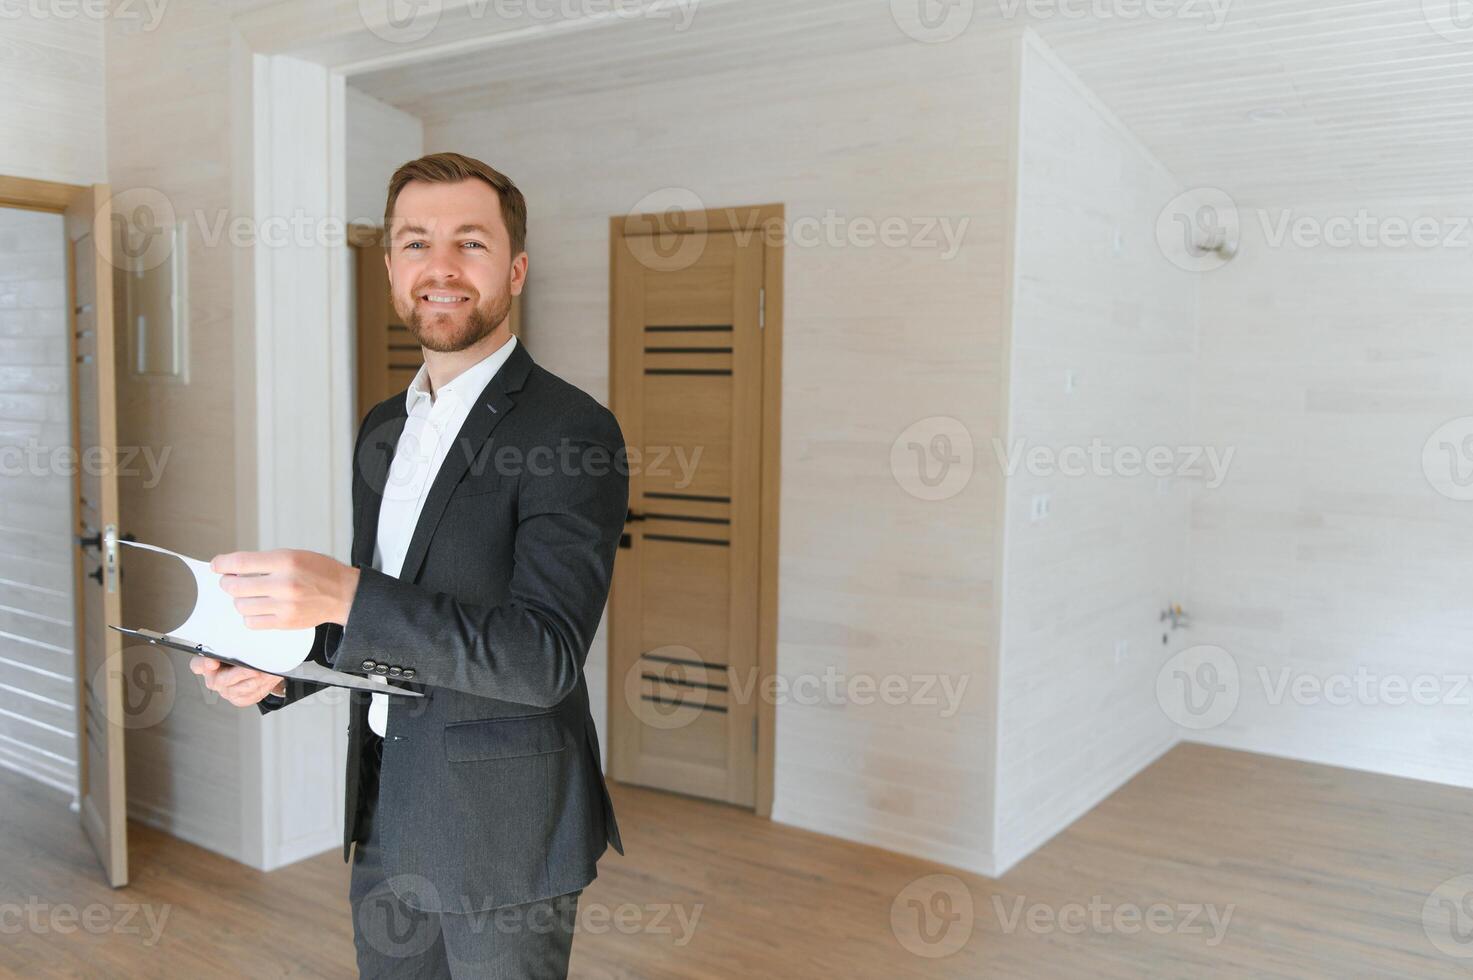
(443, 299)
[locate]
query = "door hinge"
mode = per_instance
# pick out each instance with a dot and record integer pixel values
(761, 307)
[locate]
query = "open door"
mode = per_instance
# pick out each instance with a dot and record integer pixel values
(99, 664)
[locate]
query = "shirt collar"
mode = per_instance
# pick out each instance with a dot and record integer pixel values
(464, 386)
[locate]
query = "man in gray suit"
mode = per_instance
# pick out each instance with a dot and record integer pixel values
(488, 502)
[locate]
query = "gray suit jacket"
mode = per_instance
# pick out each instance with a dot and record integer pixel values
(491, 790)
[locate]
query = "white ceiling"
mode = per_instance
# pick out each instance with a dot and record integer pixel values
(1372, 100)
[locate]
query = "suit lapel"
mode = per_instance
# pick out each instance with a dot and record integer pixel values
(493, 405)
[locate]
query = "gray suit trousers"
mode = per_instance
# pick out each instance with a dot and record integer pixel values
(394, 939)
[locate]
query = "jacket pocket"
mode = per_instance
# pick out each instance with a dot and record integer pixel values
(503, 738)
(475, 484)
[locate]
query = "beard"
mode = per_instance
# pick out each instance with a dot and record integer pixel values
(434, 330)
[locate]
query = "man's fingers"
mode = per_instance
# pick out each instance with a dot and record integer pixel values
(246, 562)
(204, 665)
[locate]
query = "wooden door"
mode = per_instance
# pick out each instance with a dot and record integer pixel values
(687, 385)
(388, 354)
(99, 665)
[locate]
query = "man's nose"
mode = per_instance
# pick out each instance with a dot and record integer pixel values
(443, 268)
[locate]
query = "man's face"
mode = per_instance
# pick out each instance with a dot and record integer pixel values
(451, 271)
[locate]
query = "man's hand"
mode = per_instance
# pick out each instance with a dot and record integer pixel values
(287, 589)
(241, 686)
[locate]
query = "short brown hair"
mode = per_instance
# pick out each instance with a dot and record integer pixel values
(450, 168)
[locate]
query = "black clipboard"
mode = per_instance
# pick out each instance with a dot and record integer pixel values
(307, 670)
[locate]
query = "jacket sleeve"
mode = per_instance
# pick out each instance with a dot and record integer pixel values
(531, 648)
(323, 645)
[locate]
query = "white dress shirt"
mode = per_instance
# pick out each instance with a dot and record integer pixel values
(430, 431)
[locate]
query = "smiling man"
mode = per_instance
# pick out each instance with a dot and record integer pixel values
(488, 501)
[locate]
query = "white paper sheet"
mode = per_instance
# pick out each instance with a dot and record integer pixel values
(215, 623)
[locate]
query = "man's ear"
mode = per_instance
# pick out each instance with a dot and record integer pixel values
(518, 273)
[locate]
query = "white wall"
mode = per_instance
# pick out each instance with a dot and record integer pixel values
(874, 581)
(1094, 297)
(170, 126)
(38, 699)
(1328, 555)
(380, 139)
(52, 77)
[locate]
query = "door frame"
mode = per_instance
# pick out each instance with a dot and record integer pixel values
(766, 220)
(30, 194)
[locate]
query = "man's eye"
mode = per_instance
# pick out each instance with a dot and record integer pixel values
(413, 244)
(476, 244)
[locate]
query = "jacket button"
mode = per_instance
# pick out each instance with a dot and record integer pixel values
(408, 673)
(395, 671)
(369, 665)
(382, 668)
